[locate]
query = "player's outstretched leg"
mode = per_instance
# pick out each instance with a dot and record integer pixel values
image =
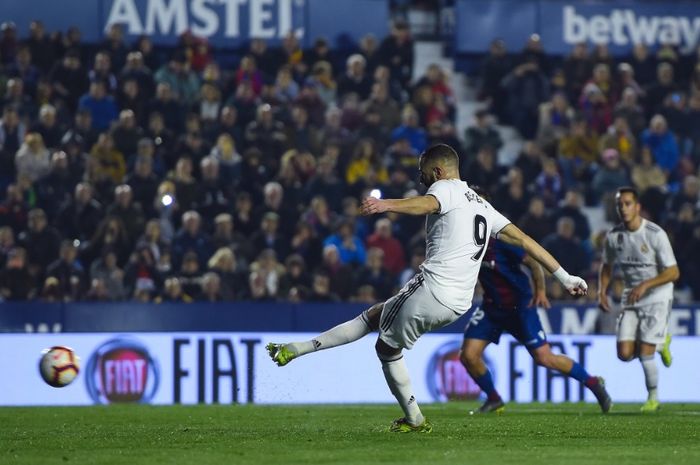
(471, 357)
(544, 356)
(344, 333)
(665, 351)
(396, 375)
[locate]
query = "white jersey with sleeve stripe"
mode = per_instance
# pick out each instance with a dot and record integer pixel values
(456, 239)
(641, 255)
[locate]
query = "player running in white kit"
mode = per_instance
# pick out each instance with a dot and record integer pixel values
(458, 225)
(643, 252)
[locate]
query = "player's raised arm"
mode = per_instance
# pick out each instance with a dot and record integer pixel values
(420, 205)
(511, 234)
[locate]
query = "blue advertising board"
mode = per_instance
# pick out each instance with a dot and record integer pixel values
(561, 24)
(225, 23)
(562, 318)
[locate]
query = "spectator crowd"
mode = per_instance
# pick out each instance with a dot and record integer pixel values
(133, 172)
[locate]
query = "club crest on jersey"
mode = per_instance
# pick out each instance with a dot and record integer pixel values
(620, 240)
(644, 248)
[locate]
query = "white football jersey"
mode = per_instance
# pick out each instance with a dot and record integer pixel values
(641, 255)
(456, 241)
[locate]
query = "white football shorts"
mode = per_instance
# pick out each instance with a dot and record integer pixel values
(411, 313)
(647, 323)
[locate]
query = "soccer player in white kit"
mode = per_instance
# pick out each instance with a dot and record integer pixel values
(643, 252)
(458, 225)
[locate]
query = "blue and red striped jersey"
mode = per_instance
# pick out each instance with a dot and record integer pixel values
(506, 285)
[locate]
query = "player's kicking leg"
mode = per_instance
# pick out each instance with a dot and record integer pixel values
(344, 333)
(471, 356)
(544, 356)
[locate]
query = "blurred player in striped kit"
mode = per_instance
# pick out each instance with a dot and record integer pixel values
(643, 253)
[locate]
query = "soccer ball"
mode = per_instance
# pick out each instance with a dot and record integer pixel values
(59, 366)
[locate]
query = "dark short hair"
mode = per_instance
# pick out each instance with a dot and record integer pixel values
(628, 190)
(441, 154)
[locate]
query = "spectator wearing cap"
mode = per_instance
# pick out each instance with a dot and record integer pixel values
(610, 175)
(182, 80)
(79, 217)
(103, 109)
(480, 134)
(320, 51)
(350, 248)
(32, 159)
(662, 144)
(69, 79)
(191, 238)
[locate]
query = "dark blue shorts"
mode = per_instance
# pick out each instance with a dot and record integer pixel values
(523, 323)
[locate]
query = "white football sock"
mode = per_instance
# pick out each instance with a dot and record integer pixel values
(651, 374)
(399, 383)
(344, 333)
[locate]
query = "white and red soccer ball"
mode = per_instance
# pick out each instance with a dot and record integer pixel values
(59, 366)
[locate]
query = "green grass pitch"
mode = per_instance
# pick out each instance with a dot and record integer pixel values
(352, 434)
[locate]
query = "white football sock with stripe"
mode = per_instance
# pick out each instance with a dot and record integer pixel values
(344, 333)
(397, 378)
(651, 374)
